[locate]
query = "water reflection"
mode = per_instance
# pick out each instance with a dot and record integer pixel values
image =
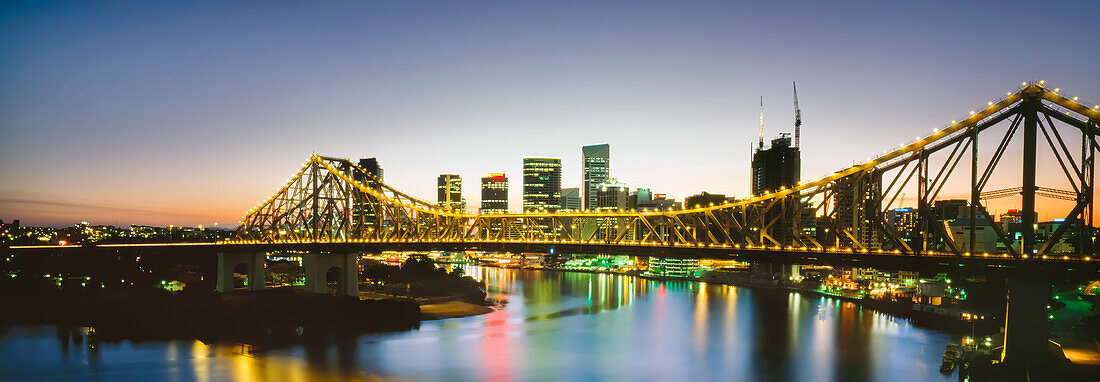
(555, 325)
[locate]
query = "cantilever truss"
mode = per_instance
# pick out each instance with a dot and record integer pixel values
(332, 199)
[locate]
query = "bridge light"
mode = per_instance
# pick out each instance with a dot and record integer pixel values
(1056, 90)
(990, 103)
(953, 122)
(972, 112)
(1023, 84)
(1025, 256)
(1042, 82)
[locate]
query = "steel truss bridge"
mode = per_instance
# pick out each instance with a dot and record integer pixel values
(332, 200)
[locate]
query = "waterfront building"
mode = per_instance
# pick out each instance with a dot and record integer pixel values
(597, 169)
(571, 198)
(450, 192)
(671, 267)
(494, 193)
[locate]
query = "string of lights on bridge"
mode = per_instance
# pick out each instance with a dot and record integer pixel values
(993, 108)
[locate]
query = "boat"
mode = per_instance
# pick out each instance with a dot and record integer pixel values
(947, 366)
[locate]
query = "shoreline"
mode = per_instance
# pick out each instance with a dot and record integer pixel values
(927, 319)
(451, 309)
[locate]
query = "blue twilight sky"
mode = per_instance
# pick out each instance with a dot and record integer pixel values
(192, 112)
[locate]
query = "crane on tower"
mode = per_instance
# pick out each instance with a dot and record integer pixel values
(797, 116)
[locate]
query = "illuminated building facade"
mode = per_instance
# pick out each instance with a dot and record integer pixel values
(450, 192)
(597, 169)
(494, 193)
(541, 184)
(671, 267)
(363, 209)
(905, 220)
(612, 196)
(856, 201)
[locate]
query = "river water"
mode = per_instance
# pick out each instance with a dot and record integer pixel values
(554, 326)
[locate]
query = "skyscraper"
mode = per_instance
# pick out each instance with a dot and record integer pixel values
(774, 169)
(542, 183)
(597, 168)
(494, 193)
(612, 196)
(364, 206)
(777, 167)
(857, 200)
(450, 192)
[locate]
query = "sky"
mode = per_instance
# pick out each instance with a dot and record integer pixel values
(190, 113)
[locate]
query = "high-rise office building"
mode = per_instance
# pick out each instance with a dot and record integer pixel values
(541, 184)
(571, 198)
(857, 200)
(494, 193)
(774, 169)
(612, 196)
(450, 192)
(777, 167)
(597, 168)
(905, 221)
(364, 206)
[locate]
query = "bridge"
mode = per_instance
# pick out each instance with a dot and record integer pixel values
(334, 200)
(332, 209)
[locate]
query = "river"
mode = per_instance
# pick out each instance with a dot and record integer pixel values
(554, 326)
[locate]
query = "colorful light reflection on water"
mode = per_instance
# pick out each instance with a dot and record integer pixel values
(554, 326)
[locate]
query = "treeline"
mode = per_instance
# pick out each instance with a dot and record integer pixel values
(271, 318)
(420, 277)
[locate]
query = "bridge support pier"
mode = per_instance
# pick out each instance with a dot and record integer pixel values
(254, 264)
(1026, 325)
(342, 267)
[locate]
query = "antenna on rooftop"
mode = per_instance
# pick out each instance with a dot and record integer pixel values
(761, 122)
(797, 117)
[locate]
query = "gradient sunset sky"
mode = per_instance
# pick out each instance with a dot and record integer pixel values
(190, 113)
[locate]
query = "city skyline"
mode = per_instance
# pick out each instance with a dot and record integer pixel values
(174, 125)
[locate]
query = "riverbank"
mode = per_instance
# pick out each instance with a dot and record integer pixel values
(273, 318)
(451, 309)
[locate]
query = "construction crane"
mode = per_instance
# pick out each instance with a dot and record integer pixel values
(797, 116)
